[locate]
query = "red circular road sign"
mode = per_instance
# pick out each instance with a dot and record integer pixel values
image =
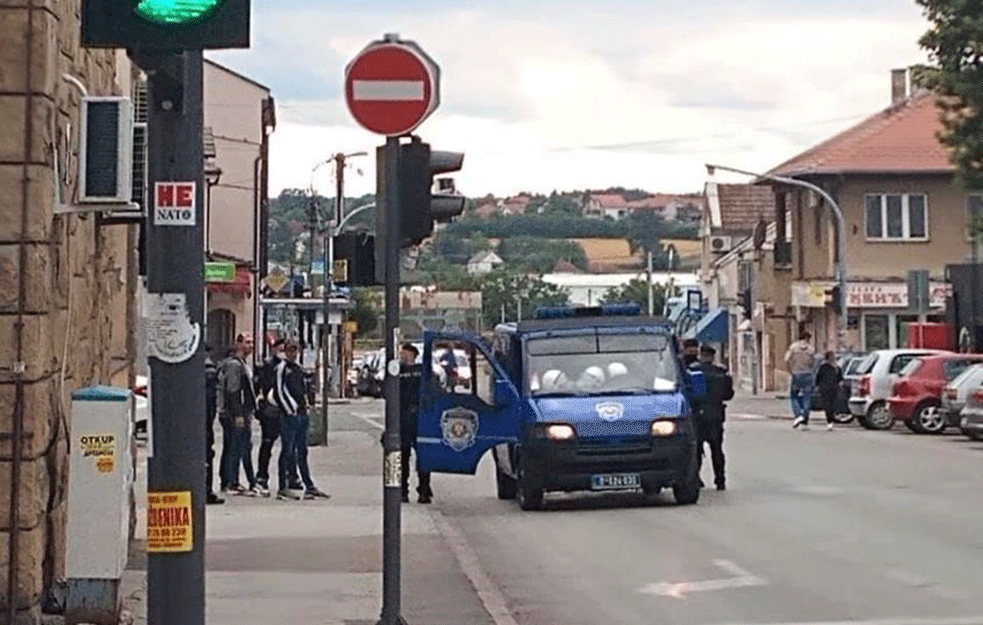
(391, 87)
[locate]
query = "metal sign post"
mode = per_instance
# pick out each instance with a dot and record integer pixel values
(175, 285)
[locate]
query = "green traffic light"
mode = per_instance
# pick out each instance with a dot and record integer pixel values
(176, 12)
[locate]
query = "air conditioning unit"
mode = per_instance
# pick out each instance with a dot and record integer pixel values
(106, 150)
(721, 244)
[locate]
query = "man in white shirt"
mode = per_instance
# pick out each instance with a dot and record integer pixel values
(800, 359)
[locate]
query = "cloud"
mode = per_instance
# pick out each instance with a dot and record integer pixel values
(526, 97)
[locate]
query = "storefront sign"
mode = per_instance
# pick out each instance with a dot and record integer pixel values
(866, 294)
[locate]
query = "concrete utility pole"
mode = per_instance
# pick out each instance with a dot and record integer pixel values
(651, 295)
(838, 222)
(175, 285)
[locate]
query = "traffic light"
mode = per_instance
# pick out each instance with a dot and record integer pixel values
(744, 298)
(420, 206)
(358, 249)
(165, 25)
(834, 299)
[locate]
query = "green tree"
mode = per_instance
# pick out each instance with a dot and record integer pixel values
(954, 42)
(508, 291)
(532, 255)
(636, 292)
(364, 311)
(647, 230)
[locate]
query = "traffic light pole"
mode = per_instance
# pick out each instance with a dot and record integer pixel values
(176, 566)
(392, 469)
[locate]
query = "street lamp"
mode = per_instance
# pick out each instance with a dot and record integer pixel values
(840, 231)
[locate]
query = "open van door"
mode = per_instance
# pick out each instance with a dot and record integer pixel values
(458, 423)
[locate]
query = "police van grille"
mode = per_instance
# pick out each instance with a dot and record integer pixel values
(606, 429)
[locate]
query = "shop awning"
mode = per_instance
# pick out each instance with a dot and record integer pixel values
(241, 284)
(714, 327)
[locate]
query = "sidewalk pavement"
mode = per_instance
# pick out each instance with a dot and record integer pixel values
(272, 561)
(770, 405)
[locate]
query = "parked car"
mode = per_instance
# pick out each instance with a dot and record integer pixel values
(875, 382)
(956, 393)
(917, 395)
(971, 422)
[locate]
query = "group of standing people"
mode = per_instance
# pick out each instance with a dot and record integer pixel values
(807, 380)
(279, 397)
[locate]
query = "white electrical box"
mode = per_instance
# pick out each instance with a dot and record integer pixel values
(100, 480)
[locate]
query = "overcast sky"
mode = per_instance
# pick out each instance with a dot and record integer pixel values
(563, 95)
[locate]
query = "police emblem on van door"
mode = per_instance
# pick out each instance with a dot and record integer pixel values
(610, 411)
(459, 427)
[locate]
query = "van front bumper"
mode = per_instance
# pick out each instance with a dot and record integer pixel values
(571, 465)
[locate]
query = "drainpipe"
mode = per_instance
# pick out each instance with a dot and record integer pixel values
(17, 442)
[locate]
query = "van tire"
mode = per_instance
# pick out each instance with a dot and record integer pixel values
(687, 490)
(505, 485)
(529, 489)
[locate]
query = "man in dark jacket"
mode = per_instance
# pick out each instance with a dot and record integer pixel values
(711, 412)
(211, 384)
(293, 396)
(268, 414)
(410, 376)
(828, 380)
(237, 404)
(691, 352)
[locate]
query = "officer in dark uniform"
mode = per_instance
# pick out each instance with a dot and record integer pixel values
(711, 411)
(211, 382)
(410, 376)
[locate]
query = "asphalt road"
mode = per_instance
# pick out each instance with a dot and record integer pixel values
(816, 527)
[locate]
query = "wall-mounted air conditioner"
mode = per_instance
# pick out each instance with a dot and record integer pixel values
(721, 244)
(105, 150)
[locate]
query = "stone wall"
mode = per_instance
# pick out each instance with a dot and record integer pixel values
(72, 287)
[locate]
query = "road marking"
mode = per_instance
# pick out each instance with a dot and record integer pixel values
(491, 597)
(748, 417)
(954, 620)
(369, 420)
(678, 590)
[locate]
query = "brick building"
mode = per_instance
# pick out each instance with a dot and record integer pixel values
(67, 285)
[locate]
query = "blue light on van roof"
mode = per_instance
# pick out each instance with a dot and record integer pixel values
(604, 310)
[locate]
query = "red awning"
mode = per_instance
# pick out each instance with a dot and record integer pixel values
(241, 285)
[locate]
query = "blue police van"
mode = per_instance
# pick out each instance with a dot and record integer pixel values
(579, 399)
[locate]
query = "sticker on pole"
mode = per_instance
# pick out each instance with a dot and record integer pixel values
(171, 337)
(174, 204)
(101, 448)
(169, 522)
(392, 469)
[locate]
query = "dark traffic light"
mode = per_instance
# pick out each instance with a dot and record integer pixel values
(359, 250)
(165, 25)
(834, 298)
(420, 206)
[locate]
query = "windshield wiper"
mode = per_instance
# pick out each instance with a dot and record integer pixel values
(629, 390)
(559, 394)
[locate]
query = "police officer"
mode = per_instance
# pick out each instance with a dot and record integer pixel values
(410, 376)
(711, 412)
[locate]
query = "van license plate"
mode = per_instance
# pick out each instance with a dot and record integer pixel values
(613, 481)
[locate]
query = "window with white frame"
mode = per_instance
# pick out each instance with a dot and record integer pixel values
(896, 217)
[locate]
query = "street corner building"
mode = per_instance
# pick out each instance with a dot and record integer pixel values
(771, 249)
(67, 287)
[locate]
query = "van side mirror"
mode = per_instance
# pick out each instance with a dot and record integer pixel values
(696, 385)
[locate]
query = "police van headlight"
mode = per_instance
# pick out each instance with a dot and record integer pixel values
(558, 432)
(664, 427)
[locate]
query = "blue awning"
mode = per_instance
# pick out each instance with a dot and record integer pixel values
(714, 327)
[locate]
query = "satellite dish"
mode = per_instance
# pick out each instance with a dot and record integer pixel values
(760, 232)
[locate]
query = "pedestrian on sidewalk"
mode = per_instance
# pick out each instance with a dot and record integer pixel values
(711, 413)
(268, 414)
(211, 409)
(828, 380)
(237, 405)
(410, 376)
(293, 397)
(799, 359)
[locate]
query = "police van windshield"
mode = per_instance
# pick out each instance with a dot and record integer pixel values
(601, 364)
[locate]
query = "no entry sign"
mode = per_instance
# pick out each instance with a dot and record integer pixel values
(391, 87)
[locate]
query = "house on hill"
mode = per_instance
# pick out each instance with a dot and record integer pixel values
(599, 205)
(484, 263)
